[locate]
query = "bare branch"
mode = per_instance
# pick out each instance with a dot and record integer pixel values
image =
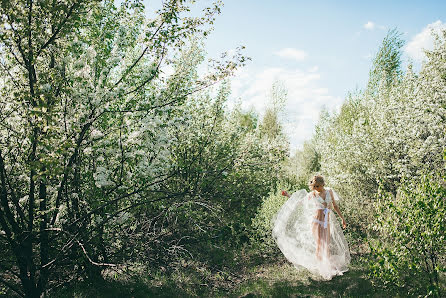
(90, 260)
(177, 98)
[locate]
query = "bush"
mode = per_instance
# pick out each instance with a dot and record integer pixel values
(411, 250)
(262, 223)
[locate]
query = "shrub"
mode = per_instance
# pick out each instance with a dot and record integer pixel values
(411, 250)
(262, 223)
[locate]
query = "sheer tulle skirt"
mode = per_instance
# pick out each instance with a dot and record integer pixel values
(306, 240)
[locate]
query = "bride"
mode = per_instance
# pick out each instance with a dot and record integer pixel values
(308, 234)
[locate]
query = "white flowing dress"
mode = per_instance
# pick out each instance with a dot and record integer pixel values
(309, 235)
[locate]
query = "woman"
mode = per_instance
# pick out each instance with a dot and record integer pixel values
(307, 232)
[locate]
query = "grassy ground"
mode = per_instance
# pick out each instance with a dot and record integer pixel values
(278, 279)
(284, 280)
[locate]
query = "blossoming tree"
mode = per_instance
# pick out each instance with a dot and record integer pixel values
(87, 100)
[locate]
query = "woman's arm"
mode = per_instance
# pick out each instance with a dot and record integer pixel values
(336, 208)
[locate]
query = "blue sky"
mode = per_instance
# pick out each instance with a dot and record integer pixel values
(319, 50)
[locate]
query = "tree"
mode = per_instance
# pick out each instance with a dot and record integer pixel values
(304, 163)
(386, 67)
(393, 129)
(84, 115)
(271, 125)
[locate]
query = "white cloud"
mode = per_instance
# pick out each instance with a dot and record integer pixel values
(369, 25)
(293, 54)
(423, 40)
(314, 69)
(306, 97)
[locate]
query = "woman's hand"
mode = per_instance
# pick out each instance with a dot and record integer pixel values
(344, 224)
(285, 193)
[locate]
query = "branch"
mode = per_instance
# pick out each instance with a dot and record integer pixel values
(14, 55)
(30, 14)
(90, 260)
(22, 217)
(67, 245)
(16, 201)
(56, 32)
(9, 270)
(4, 201)
(8, 127)
(139, 58)
(70, 163)
(152, 76)
(12, 287)
(73, 239)
(163, 104)
(31, 178)
(131, 67)
(18, 41)
(139, 204)
(10, 75)
(119, 198)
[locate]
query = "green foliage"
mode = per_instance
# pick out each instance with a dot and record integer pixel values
(91, 101)
(262, 223)
(221, 168)
(279, 279)
(412, 247)
(386, 67)
(126, 157)
(394, 128)
(383, 140)
(271, 126)
(303, 164)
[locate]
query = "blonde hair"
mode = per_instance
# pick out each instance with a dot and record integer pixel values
(316, 179)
